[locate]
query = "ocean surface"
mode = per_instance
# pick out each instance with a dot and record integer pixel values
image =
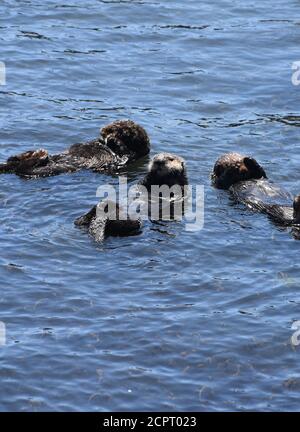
(170, 319)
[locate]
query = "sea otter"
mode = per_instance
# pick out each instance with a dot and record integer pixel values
(165, 184)
(108, 219)
(120, 142)
(166, 169)
(248, 184)
(232, 168)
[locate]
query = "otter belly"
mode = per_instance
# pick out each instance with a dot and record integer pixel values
(96, 156)
(265, 197)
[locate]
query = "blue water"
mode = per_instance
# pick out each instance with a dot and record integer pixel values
(170, 319)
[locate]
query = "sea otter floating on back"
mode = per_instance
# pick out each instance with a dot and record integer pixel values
(248, 184)
(120, 143)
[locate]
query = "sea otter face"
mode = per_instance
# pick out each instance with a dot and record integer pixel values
(166, 165)
(124, 137)
(233, 167)
(296, 206)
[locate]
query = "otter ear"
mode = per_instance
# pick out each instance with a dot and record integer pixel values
(254, 166)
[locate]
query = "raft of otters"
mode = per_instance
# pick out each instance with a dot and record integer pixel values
(124, 141)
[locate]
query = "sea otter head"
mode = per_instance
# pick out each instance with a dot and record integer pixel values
(124, 137)
(233, 167)
(296, 206)
(167, 168)
(30, 159)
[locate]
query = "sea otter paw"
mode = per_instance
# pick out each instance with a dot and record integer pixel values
(30, 159)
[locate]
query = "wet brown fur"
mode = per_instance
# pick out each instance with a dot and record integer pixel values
(120, 142)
